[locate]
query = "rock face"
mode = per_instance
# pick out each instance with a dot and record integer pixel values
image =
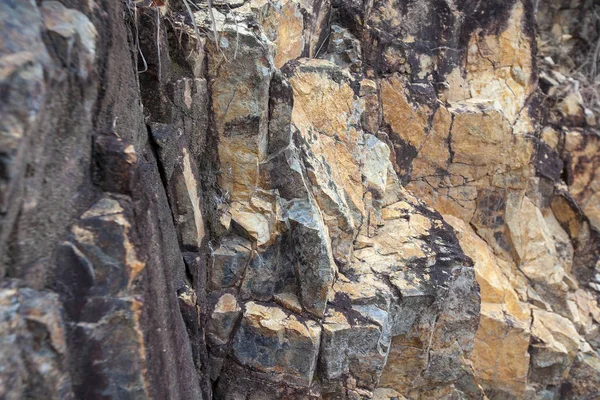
(298, 200)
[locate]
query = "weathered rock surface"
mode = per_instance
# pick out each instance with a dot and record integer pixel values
(298, 199)
(33, 347)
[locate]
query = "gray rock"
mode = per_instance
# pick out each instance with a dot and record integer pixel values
(276, 342)
(315, 267)
(33, 348)
(229, 262)
(344, 49)
(223, 318)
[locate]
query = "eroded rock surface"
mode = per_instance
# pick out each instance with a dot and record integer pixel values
(297, 199)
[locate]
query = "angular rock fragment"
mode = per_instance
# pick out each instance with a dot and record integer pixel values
(183, 188)
(356, 338)
(33, 345)
(223, 318)
(314, 267)
(239, 90)
(554, 347)
(297, 28)
(326, 114)
(24, 58)
(583, 172)
(344, 49)
(398, 317)
(77, 36)
(500, 354)
(97, 272)
(583, 376)
(275, 342)
(229, 261)
(114, 164)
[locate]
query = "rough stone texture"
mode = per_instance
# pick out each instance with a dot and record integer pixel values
(272, 341)
(299, 199)
(581, 152)
(33, 348)
(500, 353)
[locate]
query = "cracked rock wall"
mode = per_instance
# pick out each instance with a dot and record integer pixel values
(298, 199)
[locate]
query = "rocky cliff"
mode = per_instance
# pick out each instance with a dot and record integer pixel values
(299, 199)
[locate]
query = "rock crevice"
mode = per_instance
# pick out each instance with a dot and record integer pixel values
(294, 199)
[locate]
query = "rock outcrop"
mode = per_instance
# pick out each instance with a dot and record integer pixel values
(290, 199)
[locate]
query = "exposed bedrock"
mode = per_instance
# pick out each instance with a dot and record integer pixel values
(298, 200)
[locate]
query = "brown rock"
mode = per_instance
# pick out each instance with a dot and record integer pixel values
(500, 66)
(500, 355)
(326, 115)
(283, 23)
(239, 72)
(233, 200)
(557, 344)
